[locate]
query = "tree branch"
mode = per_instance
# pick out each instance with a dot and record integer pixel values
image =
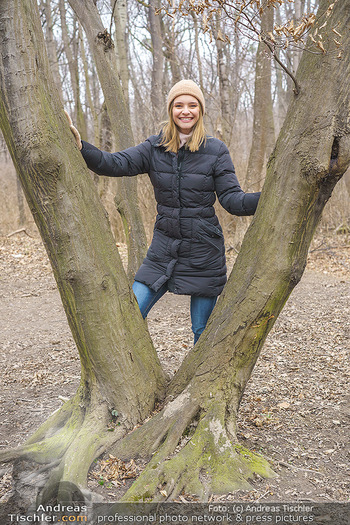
(284, 67)
(112, 15)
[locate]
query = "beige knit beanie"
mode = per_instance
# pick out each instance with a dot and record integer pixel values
(186, 87)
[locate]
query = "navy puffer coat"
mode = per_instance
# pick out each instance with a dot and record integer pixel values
(187, 249)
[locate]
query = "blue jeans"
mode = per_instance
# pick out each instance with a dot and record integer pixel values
(201, 306)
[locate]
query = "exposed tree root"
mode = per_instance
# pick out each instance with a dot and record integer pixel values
(56, 421)
(66, 444)
(169, 423)
(49, 441)
(89, 442)
(208, 463)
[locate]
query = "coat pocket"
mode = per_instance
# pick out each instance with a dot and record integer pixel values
(207, 247)
(210, 229)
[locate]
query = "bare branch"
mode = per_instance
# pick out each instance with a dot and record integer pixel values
(112, 16)
(283, 66)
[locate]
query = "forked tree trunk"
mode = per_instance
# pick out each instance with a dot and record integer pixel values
(311, 154)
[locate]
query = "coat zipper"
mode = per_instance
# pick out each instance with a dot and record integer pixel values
(180, 157)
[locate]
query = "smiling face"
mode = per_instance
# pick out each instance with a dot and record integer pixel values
(186, 111)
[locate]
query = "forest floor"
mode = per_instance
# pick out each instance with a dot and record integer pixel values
(296, 408)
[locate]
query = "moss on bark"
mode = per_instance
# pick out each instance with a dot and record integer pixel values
(208, 462)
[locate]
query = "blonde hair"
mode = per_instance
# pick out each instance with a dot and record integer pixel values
(171, 140)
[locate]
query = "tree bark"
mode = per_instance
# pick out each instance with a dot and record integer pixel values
(73, 60)
(197, 49)
(158, 62)
(108, 186)
(170, 51)
(310, 156)
(296, 52)
(51, 46)
(121, 39)
(20, 202)
(88, 93)
(263, 126)
(105, 61)
(225, 106)
(120, 369)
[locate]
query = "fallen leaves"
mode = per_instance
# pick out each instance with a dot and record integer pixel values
(115, 470)
(295, 409)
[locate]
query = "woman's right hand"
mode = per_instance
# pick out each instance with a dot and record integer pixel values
(74, 131)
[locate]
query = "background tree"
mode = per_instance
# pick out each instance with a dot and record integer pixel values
(225, 126)
(120, 369)
(71, 47)
(157, 97)
(120, 17)
(105, 61)
(46, 8)
(263, 137)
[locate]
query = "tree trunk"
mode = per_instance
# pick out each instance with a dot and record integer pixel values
(225, 106)
(108, 186)
(170, 52)
(311, 155)
(263, 127)
(197, 49)
(51, 46)
(88, 93)
(120, 369)
(121, 39)
(73, 60)
(347, 181)
(296, 52)
(284, 84)
(158, 63)
(105, 61)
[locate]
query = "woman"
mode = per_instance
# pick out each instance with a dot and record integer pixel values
(186, 168)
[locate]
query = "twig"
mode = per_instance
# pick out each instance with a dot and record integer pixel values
(284, 464)
(64, 399)
(283, 66)
(262, 496)
(19, 231)
(112, 15)
(318, 247)
(230, 248)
